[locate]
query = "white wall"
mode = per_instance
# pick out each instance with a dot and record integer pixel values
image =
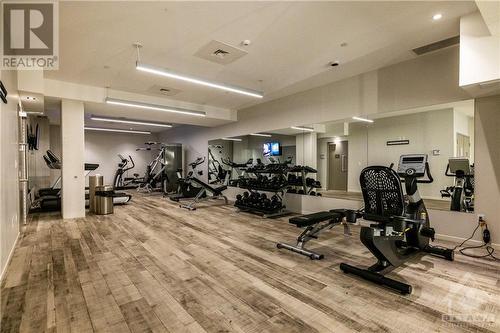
(487, 162)
(464, 125)
(306, 148)
(103, 147)
(479, 51)
(9, 180)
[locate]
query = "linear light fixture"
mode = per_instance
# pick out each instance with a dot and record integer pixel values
(127, 121)
(182, 77)
(366, 120)
(115, 130)
(302, 128)
(261, 134)
(155, 107)
(231, 139)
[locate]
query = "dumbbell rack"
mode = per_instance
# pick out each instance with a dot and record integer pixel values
(304, 171)
(265, 213)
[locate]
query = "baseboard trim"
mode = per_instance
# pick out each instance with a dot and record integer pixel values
(9, 258)
(459, 240)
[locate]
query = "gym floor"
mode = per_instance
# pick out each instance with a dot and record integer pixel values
(154, 267)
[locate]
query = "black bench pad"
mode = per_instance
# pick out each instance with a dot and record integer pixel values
(311, 219)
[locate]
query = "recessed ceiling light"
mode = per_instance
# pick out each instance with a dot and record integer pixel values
(343, 44)
(114, 130)
(437, 16)
(127, 121)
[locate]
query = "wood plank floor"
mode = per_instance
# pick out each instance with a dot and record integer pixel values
(154, 267)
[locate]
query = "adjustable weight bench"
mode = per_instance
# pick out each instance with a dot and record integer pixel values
(203, 195)
(314, 224)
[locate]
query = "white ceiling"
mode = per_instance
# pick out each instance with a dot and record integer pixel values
(292, 43)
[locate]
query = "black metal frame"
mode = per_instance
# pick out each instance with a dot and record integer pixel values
(401, 231)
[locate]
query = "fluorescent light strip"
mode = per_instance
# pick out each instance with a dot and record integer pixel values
(125, 121)
(154, 107)
(115, 130)
(300, 128)
(231, 139)
(261, 134)
(363, 119)
(170, 74)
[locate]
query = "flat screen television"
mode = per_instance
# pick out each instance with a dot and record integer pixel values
(272, 149)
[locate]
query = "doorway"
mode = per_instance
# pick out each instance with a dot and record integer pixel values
(337, 166)
(463, 145)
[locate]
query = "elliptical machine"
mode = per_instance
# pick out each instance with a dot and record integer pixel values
(402, 227)
(120, 182)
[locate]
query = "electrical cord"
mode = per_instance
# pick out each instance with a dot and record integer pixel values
(489, 249)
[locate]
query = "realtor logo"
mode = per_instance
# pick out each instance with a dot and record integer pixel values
(30, 35)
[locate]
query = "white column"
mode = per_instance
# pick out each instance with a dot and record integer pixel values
(73, 154)
(306, 149)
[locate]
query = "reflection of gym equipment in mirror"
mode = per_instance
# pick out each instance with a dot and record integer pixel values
(216, 172)
(190, 185)
(155, 177)
(337, 166)
(461, 193)
(236, 171)
(401, 229)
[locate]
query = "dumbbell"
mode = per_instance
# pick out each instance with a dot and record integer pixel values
(312, 193)
(301, 191)
(239, 198)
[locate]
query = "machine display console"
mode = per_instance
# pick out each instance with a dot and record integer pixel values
(412, 165)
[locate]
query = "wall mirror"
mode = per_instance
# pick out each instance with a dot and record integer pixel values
(326, 159)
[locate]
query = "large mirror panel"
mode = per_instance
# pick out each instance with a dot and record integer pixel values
(326, 159)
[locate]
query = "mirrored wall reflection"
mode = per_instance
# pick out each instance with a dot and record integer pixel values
(327, 158)
(230, 158)
(444, 133)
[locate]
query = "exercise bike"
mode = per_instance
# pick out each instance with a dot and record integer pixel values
(462, 192)
(122, 183)
(401, 228)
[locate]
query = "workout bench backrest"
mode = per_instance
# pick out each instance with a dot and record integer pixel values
(382, 193)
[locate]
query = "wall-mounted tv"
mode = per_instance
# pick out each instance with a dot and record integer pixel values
(272, 149)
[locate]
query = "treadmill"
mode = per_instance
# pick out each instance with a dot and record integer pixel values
(49, 199)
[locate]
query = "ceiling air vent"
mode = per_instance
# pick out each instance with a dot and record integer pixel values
(220, 52)
(165, 91)
(437, 45)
